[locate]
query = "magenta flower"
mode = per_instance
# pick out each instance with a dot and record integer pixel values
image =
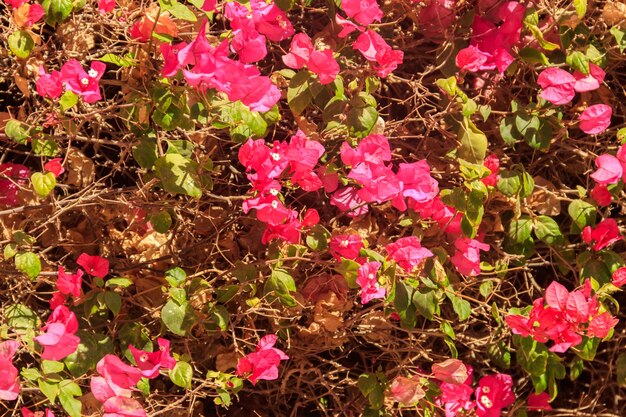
(12, 176)
(54, 165)
(603, 235)
(619, 277)
(58, 341)
(119, 377)
(27, 413)
(363, 12)
(70, 283)
(473, 59)
(81, 82)
(9, 375)
(610, 169)
(96, 266)
(494, 393)
(366, 279)
(601, 195)
(150, 363)
(262, 363)
(492, 163)
(346, 199)
(539, 401)
(557, 85)
(407, 252)
(466, 259)
(106, 6)
(595, 119)
(49, 85)
(589, 82)
(374, 49)
(345, 246)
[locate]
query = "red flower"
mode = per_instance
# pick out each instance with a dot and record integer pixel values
(539, 401)
(493, 394)
(12, 176)
(362, 11)
(366, 279)
(69, 283)
(601, 195)
(150, 363)
(345, 246)
(407, 252)
(81, 82)
(374, 49)
(263, 363)
(604, 234)
(59, 340)
(54, 166)
(49, 85)
(95, 266)
(619, 277)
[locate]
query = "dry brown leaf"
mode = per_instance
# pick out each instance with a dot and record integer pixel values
(544, 199)
(614, 13)
(77, 38)
(81, 170)
(375, 326)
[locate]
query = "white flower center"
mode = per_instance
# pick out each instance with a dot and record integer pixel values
(84, 81)
(274, 192)
(486, 401)
(92, 73)
(371, 276)
(275, 204)
(486, 390)
(143, 357)
(275, 156)
(345, 243)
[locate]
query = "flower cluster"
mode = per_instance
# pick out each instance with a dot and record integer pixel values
(303, 53)
(9, 375)
(70, 284)
(25, 14)
(263, 362)
(491, 45)
(264, 167)
(59, 339)
(564, 317)
(604, 234)
(74, 78)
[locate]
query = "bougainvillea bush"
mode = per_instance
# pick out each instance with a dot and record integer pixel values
(305, 208)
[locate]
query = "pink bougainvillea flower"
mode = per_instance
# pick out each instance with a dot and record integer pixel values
(106, 6)
(374, 49)
(589, 82)
(456, 397)
(56, 300)
(363, 12)
(603, 235)
(142, 29)
(346, 199)
(474, 60)
(120, 406)
(250, 45)
(16, 3)
(70, 283)
(619, 277)
(81, 82)
(151, 362)
(492, 163)
(601, 325)
(27, 413)
(119, 376)
(57, 342)
(366, 279)
(49, 85)
(270, 20)
(407, 252)
(311, 218)
(417, 184)
(437, 18)
(299, 51)
(595, 119)
(601, 195)
(54, 166)
(494, 393)
(466, 259)
(96, 266)
(345, 246)
(12, 177)
(269, 209)
(302, 53)
(9, 375)
(406, 391)
(609, 170)
(262, 363)
(209, 5)
(557, 85)
(373, 149)
(539, 401)
(347, 26)
(452, 371)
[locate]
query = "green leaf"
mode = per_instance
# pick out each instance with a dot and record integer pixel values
(32, 374)
(280, 283)
(182, 374)
(43, 183)
(620, 37)
(520, 229)
(113, 302)
(21, 43)
(486, 288)
(220, 317)
(10, 250)
(548, 230)
(68, 390)
(51, 367)
(118, 60)
(21, 318)
(17, 131)
(509, 132)
(91, 349)
(178, 175)
(28, 263)
(533, 56)
(161, 221)
(179, 319)
(42, 147)
(182, 12)
(473, 142)
(120, 282)
(461, 307)
(68, 100)
(367, 383)
(510, 182)
(426, 302)
(299, 94)
(57, 10)
(49, 389)
(548, 46)
(577, 366)
(145, 153)
(181, 147)
(582, 213)
(176, 276)
(577, 60)
(581, 8)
